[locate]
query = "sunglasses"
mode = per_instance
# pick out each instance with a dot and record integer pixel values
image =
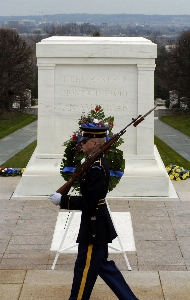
(85, 141)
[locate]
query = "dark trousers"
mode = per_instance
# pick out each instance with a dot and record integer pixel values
(92, 261)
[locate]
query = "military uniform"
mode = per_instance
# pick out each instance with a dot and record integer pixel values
(96, 231)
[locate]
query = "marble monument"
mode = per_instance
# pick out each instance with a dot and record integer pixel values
(75, 75)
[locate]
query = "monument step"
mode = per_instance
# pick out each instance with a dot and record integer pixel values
(56, 285)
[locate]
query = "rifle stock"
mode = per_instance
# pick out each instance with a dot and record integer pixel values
(64, 189)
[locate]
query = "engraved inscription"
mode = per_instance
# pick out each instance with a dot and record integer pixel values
(86, 86)
(93, 79)
(94, 93)
(87, 107)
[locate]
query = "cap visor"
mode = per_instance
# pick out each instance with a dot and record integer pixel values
(84, 138)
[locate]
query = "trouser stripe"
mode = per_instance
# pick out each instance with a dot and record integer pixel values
(85, 272)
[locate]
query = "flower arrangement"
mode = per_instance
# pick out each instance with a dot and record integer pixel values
(177, 173)
(11, 171)
(73, 155)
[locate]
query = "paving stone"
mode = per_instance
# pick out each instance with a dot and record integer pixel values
(41, 204)
(181, 186)
(43, 284)
(182, 230)
(185, 196)
(177, 207)
(145, 285)
(4, 241)
(35, 257)
(7, 230)
(10, 291)
(12, 276)
(8, 210)
(154, 266)
(27, 249)
(45, 292)
(8, 185)
(155, 207)
(3, 247)
(118, 205)
(155, 234)
(167, 252)
(175, 285)
(20, 264)
(31, 240)
(46, 285)
(49, 277)
(184, 244)
(31, 227)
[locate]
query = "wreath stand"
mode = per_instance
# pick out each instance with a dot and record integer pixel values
(61, 249)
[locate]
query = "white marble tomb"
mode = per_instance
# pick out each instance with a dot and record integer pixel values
(76, 74)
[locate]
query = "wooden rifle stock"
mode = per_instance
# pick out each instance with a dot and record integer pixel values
(64, 189)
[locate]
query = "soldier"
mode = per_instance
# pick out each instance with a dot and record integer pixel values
(96, 227)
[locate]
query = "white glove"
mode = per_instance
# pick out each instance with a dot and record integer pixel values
(55, 198)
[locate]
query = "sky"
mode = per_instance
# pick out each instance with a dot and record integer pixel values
(50, 7)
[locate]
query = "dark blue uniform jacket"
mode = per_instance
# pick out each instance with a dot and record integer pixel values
(94, 186)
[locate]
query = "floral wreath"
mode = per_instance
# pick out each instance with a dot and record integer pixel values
(11, 171)
(73, 155)
(177, 173)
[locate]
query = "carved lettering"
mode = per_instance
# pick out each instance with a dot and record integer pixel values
(72, 79)
(94, 93)
(93, 79)
(87, 107)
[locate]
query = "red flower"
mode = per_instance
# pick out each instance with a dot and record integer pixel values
(97, 108)
(78, 148)
(111, 124)
(74, 137)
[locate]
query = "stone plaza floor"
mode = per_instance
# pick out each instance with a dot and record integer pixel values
(160, 264)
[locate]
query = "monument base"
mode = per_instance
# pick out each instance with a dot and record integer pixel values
(143, 177)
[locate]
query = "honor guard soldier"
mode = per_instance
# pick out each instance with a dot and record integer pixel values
(96, 227)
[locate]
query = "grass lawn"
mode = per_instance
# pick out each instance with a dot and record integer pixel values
(170, 156)
(180, 122)
(11, 122)
(20, 160)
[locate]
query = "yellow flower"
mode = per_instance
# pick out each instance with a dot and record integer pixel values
(171, 177)
(177, 179)
(168, 168)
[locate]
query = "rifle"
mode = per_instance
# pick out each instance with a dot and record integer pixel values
(64, 189)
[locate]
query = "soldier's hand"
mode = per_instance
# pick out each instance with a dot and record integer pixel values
(55, 198)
